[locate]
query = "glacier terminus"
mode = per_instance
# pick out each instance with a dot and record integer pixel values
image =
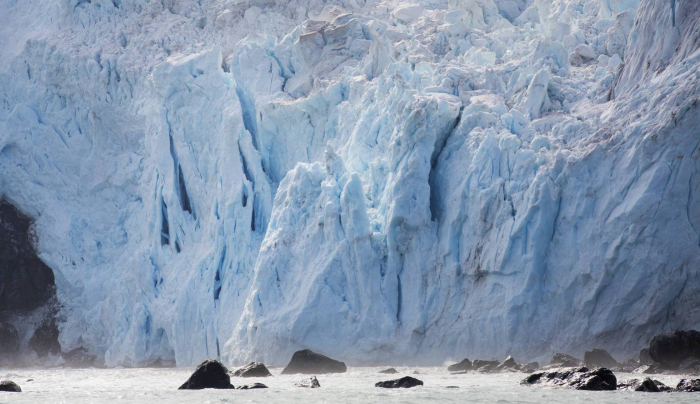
(378, 180)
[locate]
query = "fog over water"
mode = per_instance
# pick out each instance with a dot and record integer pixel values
(148, 386)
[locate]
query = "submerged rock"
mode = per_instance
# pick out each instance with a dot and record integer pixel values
(672, 348)
(309, 362)
(599, 358)
(310, 383)
(210, 374)
(565, 360)
(647, 385)
(251, 386)
(253, 369)
(9, 387)
(404, 382)
(464, 364)
(390, 371)
(688, 385)
(579, 378)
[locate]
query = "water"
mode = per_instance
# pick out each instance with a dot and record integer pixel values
(150, 386)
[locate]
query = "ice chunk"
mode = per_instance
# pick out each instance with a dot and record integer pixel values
(408, 12)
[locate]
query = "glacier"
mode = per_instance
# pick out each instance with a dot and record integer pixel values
(378, 180)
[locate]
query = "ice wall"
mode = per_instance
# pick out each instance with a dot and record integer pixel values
(376, 180)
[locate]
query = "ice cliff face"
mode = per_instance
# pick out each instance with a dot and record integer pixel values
(375, 180)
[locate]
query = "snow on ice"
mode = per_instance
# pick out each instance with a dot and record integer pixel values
(374, 180)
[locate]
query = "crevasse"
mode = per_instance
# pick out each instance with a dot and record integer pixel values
(375, 180)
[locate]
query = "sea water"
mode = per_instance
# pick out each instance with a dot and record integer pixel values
(150, 386)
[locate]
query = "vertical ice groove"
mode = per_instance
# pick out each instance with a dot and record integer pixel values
(372, 181)
(165, 226)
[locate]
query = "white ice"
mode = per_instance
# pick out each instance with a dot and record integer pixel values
(375, 180)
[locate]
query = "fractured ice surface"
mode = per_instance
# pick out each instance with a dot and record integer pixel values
(372, 180)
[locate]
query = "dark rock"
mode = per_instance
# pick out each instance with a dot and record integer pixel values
(464, 364)
(565, 360)
(530, 367)
(508, 364)
(309, 362)
(9, 343)
(484, 366)
(690, 365)
(672, 348)
(452, 387)
(404, 382)
(390, 371)
(654, 369)
(45, 340)
(9, 387)
(688, 385)
(253, 369)
(578, 378)
(310, 383)
(647, 385)
(599, 358)
(210, 374)
(27, 282)
(251, 386)
(627, 367)
(644, 357)
(79, 357)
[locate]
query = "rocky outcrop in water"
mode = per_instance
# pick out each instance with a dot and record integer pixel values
(463, 365)
(9, 387)
(647, 385)
(251, 386)
(529, 367)
(509, 364)
(688, 386)
(404, 382)
(484, 366)
(599, 358)
(311, 383)
(581, 378)
(210, 374)
(309, 362)
(487, 366)
(390, 371)
(672, 348)
(253, 369)
(565, 360)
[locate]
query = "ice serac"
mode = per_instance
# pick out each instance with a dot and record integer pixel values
(374, 180)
